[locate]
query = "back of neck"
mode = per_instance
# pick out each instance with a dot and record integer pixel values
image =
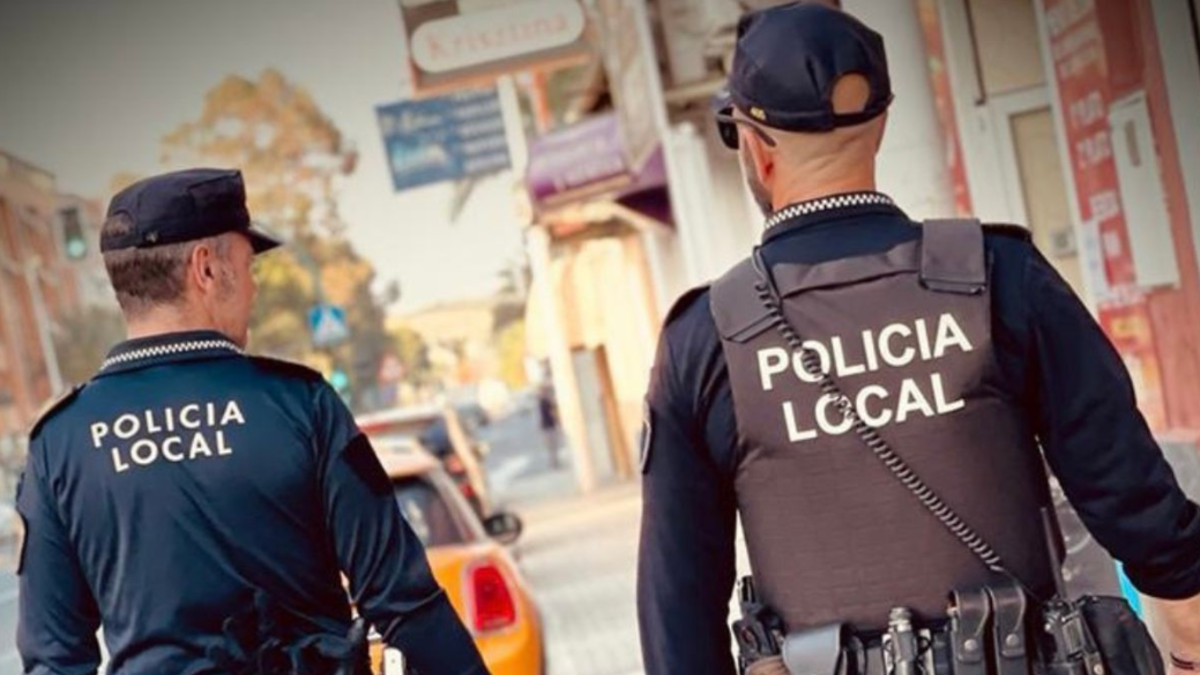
(165, 320)
(810, 190)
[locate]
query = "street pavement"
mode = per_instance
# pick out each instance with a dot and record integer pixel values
(518, 462)
(577, 553)
(579, 556)
(10, 662)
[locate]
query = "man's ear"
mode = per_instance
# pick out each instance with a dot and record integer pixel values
(879, 133)
(762, 157)
(202, 266)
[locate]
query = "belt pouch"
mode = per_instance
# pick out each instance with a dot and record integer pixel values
(969, 617)
(1009, 639)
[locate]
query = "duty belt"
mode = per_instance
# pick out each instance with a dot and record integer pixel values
(832, 650)
(985, 635)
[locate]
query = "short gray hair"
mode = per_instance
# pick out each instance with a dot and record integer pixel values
(144, 278)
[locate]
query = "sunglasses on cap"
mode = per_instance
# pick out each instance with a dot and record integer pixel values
(727, 128)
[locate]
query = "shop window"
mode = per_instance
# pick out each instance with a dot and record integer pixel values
(1007, 45)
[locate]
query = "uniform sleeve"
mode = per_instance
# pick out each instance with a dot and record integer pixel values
(57, 615)
(1100, 448)
(390, 580)
(686, 560)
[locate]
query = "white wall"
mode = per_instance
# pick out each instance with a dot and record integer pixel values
(912, 163)
(720, 229)
(1181, 66)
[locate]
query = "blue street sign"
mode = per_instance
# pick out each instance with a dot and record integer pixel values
(328, 325)
(445, 138)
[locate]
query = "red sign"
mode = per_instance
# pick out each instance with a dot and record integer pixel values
(943, 100)
(1081, 68)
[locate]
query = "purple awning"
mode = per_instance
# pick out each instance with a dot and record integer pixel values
(586, 162)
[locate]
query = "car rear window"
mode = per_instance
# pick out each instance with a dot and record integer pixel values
(427, 513)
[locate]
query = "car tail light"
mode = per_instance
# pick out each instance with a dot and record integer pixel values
(490, 599)
(467, 490)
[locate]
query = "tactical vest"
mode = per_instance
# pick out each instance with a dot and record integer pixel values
(907, 334)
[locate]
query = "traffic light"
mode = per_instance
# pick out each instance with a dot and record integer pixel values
(74, 242)
(339, 380)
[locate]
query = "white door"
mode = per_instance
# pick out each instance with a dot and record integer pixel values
(1010, 144)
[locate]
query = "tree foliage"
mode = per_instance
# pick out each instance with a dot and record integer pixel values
(288, 150)
(292, 157)
(413, 352)
(84, 341)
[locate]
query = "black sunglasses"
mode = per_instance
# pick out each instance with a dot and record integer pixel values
(727, 128)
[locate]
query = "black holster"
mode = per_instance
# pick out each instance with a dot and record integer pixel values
(264, 639)
(1098, 635)
(759, 631)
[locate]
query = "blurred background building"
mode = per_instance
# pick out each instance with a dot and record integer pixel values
(39, 288)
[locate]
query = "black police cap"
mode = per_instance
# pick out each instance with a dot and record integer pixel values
(185, 206)
(787, 60)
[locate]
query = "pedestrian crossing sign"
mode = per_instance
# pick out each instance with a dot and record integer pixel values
(328, 325)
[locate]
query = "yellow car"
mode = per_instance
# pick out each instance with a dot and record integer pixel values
(469, 560)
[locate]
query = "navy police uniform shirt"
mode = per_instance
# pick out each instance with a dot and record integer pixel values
(184, 477)
(1057, 362)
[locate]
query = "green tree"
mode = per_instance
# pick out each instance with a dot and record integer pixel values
(292, 157)
(288, 149)
(413, 352)
(84, 341)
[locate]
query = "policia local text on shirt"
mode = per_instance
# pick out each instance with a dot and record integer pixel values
(958, 345)
(200, 504)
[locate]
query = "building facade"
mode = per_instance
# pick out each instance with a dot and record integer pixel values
(36, 288)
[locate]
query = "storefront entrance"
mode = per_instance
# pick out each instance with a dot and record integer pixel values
(1005, 123)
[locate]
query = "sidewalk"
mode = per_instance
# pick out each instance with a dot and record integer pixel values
(579, 556)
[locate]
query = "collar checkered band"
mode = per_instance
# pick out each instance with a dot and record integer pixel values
(812, 206)
(173, 349)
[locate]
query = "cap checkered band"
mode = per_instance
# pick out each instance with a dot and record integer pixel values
(170, 350)
(828, 204)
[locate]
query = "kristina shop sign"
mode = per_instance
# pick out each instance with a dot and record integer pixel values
(449, 45)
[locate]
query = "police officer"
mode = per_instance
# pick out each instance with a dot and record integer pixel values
(199, 503)
(958, 345)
